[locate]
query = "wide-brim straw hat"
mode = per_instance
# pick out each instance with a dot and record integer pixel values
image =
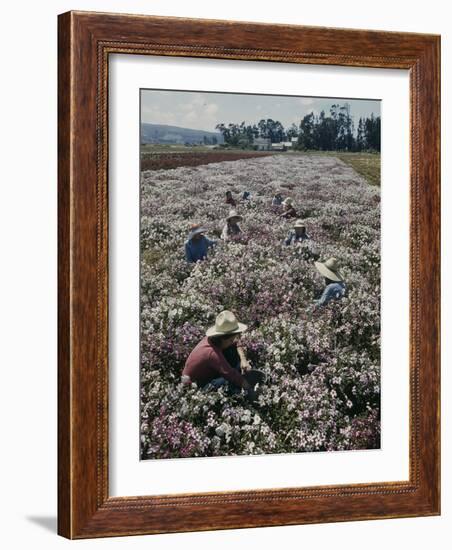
(196, 230)
(226, 323)
(288, 201)
(233, 214)
(299, 223)
(329, 269)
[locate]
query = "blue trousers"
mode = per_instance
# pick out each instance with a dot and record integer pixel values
(233, 358)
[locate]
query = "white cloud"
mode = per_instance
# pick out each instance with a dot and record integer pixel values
(211, 108)
(197, 113)
(306, 101)
(190, 117)
(156, 116)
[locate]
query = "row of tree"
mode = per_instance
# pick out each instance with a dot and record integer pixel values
(335, 132)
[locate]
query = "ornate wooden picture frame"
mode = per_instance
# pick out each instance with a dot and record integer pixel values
(86, 40)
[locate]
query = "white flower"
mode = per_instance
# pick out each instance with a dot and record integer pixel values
(246, 417)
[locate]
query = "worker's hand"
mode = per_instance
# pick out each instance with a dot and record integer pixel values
(245, 366)
(186, 380)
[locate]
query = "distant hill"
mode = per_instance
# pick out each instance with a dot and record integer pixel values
(161, 133)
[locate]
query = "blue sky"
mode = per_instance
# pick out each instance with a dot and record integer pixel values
(203, 110)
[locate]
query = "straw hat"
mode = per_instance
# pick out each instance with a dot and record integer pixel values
(233, 214)
(288, 201)
(226, 323)
(196, 229)
(329, 269)
(299, 223)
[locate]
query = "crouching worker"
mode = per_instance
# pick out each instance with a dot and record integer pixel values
(277, 199)
(231, 228)
(230, 199)
(334, 282)
(216, 360)
(197, 244)
(298, 235)
(288, 209)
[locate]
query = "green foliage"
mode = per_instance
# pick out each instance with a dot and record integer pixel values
(333, 132)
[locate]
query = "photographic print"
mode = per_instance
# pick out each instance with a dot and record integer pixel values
(259, 274)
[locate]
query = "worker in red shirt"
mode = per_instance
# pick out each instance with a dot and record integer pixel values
(230, 199)
(217, 360)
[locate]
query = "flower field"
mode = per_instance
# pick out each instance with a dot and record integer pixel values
(322, 365)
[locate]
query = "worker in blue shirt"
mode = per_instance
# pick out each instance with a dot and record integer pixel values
(298, 234)
(334, 283)
(197, 244)
(277, 199)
